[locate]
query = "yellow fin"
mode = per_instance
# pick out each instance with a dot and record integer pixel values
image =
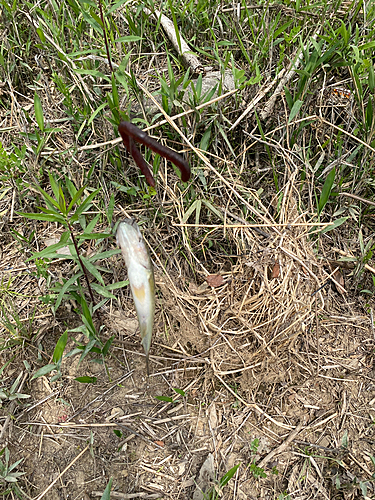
(139, 292)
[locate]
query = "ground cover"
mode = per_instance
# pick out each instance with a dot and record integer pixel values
(262, 364)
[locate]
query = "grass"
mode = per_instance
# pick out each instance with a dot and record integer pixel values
(72, 70)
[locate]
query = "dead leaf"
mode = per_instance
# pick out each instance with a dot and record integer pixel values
(160, 443)
(276, 270)
(52, 241)
(338, 277)
(215, 280)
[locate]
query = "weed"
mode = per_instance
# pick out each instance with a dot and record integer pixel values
(8, 475)
(12, 394)
(56, 360)
(216, 491)
(169, 399)
(68, 214)
(61, 212)
(257, 472)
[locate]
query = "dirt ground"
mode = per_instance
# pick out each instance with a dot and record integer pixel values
(274, 375)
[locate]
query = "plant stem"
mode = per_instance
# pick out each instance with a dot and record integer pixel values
(82, 265)
(105, 35)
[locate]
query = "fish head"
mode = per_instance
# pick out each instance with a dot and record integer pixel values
(130, 240)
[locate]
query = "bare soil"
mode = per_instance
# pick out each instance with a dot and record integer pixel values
(293, 401)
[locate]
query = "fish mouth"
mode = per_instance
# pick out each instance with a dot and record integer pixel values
(129, 221)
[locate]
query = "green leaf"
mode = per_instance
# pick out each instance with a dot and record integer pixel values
(60, 346)
(164, 398)
(213, 209)
(43, 371)
(115, 97)
(110, 208)
(62, 203)
(334, 225)
(103, 291)
(107, 492)
(38, 112)
(75, 198)
(93, 236)
(43, 217)
(116, 6)
(10, 479)
(175, 26)
(107, 345)
(288, 97)
(92, 72)
(65, 287)
(295, 110)
(86, 203)
(15, 384)
(86, 314)
(326, 190)
(41, 35)
(89, 228)
(369, 114)
(179, 391)
(13, 466)
(366, 46)
(119, 284)
(87, 349)
(54, 185)
(50, 252)
(190, 210)
(371, 77)
(130, 38)
(92, 117)
(205, 141)
(86, 380)
(47, 197)
(104, 255)
(19, 396)
(70, 186)
(198, 86)
(92, 269)
(228, 475)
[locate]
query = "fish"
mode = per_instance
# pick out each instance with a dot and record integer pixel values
(141, 278)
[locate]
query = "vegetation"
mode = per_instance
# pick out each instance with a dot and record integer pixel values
(301, 114)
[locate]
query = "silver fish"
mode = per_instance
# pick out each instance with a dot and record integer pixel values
(141, 277)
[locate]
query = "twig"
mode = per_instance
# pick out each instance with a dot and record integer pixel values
(283, 445)
(62, 473)
(127, 496)
(345, 254)
(256, 99)
(185, 52)
(359, 198)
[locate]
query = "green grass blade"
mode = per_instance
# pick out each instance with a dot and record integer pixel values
(326, 191)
